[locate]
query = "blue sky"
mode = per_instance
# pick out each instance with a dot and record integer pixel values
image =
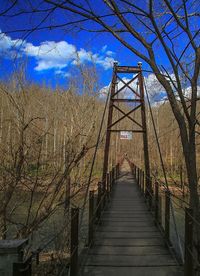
(51, 55)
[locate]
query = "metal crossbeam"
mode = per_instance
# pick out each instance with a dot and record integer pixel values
(126, 115)
(127, 85)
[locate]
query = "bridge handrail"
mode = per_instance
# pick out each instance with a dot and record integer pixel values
(153, 196)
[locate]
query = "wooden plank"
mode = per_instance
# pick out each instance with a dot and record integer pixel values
(130, 242)
(127, 223)
(128, 250)
(135, 271)
(128, 235)
(127, 228)
(131, 261)
(123, 218)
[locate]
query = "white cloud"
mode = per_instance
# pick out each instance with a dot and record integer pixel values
(82, 56)
(55, 55)
(62, 73)
(188, 92)
(105, 62)
(9, 46)
(58, 55)
(51, 54)
(110, 53)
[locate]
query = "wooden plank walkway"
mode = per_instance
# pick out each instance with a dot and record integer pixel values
(128, 242)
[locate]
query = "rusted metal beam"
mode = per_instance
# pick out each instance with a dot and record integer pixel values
(127, 100)
(127, 69)
(108, 133)
(129, 130)
(126, 85)
(145, 138)
(127, 114)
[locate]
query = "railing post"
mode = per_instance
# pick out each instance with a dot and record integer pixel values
(139, 177)
(113, 176)
(143, 180)
(136, 175)
(108, 185)
(167, 216)
(99, 202)
(104, 194)
(188, 265)
(117, 170)
(74, 242)
(91, 218)
(133, 170)
(67, 195)
(110, 181)
(156, 202)
(160, 210)
(149, 193)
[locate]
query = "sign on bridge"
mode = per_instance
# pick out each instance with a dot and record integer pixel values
(125, 135)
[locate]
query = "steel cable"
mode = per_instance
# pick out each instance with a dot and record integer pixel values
(94, 157)
(163, 169)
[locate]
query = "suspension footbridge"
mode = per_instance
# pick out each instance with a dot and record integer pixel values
(127, 241)
(127, 225)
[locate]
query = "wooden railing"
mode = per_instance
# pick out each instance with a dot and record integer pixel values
(103, 195)
(165, 219)
(97, 200)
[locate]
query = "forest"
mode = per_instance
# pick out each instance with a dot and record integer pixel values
(59, 88)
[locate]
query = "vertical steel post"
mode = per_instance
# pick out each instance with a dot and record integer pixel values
(74, 242)
(136, 174)
(156, 202)
(113, 176)
(167, 216)
(108, 133)
(188, 265)
(145, 137)
(108, 185)
(143, 182)
(67, 194)
(138, 177)
(117, 170)
(99, 201)
(110, 181)
(160, 209)
(91, 218)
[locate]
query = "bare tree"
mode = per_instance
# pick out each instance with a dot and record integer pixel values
(142, 27)
(36, 161)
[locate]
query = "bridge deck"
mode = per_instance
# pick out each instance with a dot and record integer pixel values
(127, 242)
